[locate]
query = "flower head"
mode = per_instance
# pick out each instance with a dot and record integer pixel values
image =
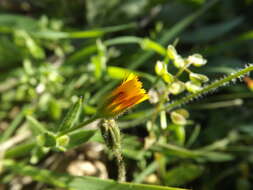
(125, 96)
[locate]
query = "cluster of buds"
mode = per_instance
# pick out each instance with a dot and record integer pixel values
(175, 86)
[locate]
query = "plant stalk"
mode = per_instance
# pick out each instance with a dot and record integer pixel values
(111, 134)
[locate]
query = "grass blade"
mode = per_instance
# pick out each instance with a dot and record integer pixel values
(13, 126)
(76, 183)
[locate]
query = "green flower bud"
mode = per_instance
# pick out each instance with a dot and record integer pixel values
(176, 87)
(168, 78)
(46, 140)
(195, 77)
(179, 62)
(183, 112)
(62, 142)
(160, 68)
(197, 60)
(178, 118)
(193, 87)
(172, 52)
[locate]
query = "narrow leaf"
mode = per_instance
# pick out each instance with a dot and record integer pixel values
(71, 117)
(76, 183)
(36, 125)
(184, 173)
(79, 137)
(13, 126)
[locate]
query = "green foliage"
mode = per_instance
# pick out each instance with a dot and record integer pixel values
(78, 183)
(185, 173)
(79, 137)
(59, 59)
(71, 117)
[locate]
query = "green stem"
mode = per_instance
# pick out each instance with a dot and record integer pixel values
(78, 126)
(209, 88)
(112, 138)
(121, 167)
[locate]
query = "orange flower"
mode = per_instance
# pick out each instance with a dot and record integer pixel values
(249, 82)
(125, 96)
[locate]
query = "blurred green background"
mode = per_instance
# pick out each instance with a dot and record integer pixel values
(54, 51)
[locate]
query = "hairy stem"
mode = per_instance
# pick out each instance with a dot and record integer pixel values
(112, 138)
(210, 87)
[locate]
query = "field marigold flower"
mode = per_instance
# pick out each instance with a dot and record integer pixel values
(128, 94)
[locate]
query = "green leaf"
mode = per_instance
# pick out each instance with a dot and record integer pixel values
(20, 150)
(183, 174)
(194, 135)
(118, 72)
(8, 49)
(50, 34)
(75, 183)
(152, 45)
(71, 117)
(181, 152)
(148, 170)
(17, 22)
(173, 150)
(44, 137)
(13, 126)
(11, 22)
(37, 127)
(121, 73)
(217, 156)
(88, 50)
(79, 137)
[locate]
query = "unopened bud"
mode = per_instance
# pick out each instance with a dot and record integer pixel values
(160, 68)
(62, 142)
(178, 118)
(193, 87)
(153, 96)
(179, 62)
(172, 52)
(183, 112)
(168, 78)
(197, 60)
(176, 87)
(194, 77)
